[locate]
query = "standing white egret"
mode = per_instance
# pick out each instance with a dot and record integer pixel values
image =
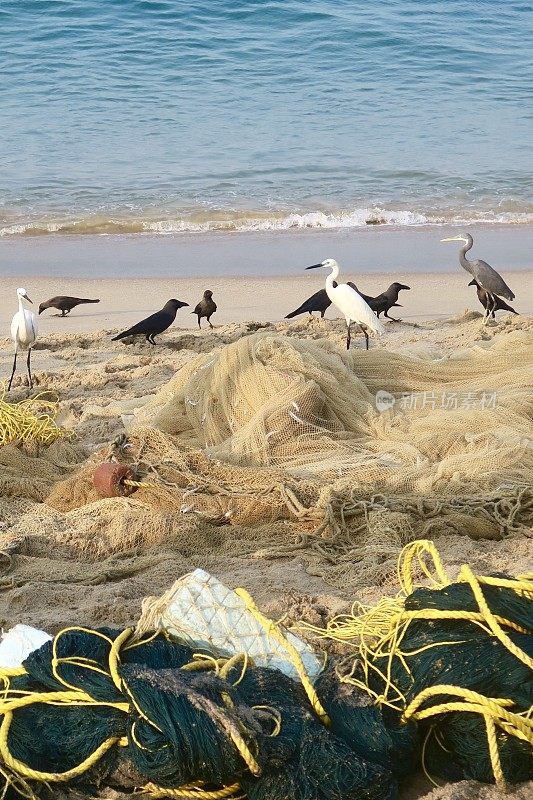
(24, 329)
(484, 275)
(349, 302)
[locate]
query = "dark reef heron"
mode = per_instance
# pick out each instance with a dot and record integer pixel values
(486, 277)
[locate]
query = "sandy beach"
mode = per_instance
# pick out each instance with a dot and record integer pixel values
(375, 502)
(100, 385)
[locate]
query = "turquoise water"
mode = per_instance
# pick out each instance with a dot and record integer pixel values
(163, 116)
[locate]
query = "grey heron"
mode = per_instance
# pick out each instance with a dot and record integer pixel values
(24, 329)
(349, 302)
(487, 277)
(205, 307)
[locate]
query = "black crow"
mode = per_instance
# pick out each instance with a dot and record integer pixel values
(205, 307)
(64, 304)
(155, 323)
(386, 300)
(500, 305)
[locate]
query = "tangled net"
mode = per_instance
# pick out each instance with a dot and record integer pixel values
(283, 437)
(92, 703)
(456, 658)
(443, 676)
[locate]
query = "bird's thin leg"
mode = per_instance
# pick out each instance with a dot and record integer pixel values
(199, 324)
(348, 337)
(63, 313)
(321, 314)
(487, 307)
(366, 337)
(28, 364)
(491, 303)
(209, 320)
(391, 318)
(13, 371)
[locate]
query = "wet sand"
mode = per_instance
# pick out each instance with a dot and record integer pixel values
(359, 251)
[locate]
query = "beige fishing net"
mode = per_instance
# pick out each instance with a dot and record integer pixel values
(297, 446)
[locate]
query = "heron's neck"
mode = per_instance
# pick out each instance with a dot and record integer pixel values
(465, 263)
(333, 275)
(21, 306)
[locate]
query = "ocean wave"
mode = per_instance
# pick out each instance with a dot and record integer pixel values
(259, 221)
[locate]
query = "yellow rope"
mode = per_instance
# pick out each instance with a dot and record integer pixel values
(30, 420)
(114, 657)
(273, 630)
(467, 575)
(137, 484)
(469, 616)
(495, 712)
(52, 777)
(419, 549)
(194, 791)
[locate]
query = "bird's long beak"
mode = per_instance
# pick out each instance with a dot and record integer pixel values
(28, 299)
(314, 266)
(453, 239)
(406, 287)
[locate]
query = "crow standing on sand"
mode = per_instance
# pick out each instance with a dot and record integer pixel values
(319, 301)
(155, 323)
(64, 304)
(501, 305)
(388, 299)
(205, 307)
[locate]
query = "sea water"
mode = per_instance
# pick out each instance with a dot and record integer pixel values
(163, 116)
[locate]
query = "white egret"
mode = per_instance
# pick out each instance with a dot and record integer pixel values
(349, 302)
(24, 328)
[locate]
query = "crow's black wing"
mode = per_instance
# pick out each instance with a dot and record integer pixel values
(319, 301)
(155, 323)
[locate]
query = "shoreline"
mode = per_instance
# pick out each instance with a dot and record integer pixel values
(272, 254)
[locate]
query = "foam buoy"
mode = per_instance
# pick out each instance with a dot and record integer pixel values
(109, 477)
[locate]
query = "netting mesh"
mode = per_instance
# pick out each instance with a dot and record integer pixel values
(272, 430)
(309, 408)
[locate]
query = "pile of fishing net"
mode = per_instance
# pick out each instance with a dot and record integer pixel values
(97, 707)
(456, 658)
(272, 430)
(281, 440)
(443, 678)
